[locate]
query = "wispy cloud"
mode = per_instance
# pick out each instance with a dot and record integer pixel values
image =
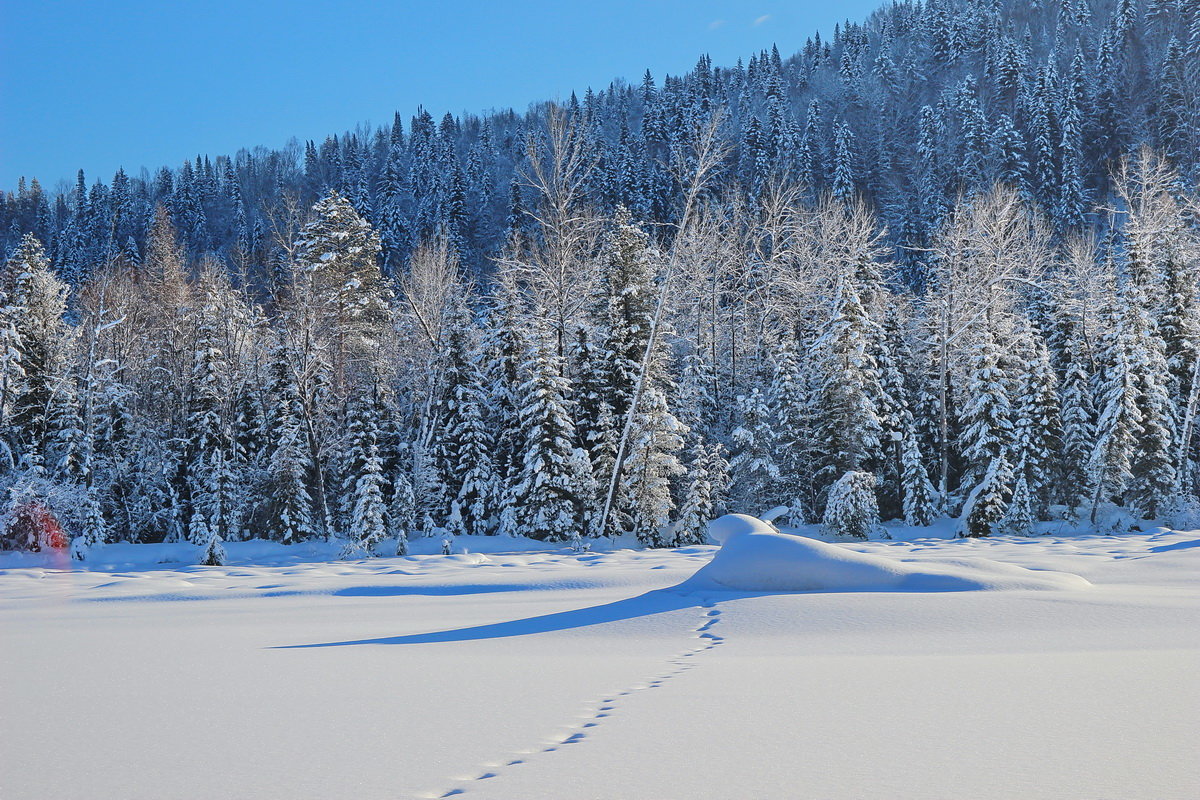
(716, 23)
(763, 20)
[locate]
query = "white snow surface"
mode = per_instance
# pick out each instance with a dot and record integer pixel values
(524, 673)
(756, 557)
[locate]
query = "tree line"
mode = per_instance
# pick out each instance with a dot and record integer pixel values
(969, 292)
(913, 106)
(614, 378)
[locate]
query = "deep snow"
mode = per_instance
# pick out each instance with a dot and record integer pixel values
(755, 557)
(546, 674)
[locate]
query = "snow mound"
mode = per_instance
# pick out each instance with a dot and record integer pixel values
(754, 557)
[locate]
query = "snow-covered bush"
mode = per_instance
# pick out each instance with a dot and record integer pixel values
(454, 521)
(852, 509)
(1019, 518)
(987, 503)
(31, 525)
(798, 513)
(37, 515)
(214, 553)
(1182, 513)
(93, 529)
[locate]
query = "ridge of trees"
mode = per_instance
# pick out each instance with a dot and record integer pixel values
(641, 332)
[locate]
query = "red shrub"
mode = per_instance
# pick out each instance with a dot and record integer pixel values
(33, 526)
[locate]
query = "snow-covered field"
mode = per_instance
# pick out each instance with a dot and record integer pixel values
(549, 674)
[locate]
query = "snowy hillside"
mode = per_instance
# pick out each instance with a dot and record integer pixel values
(551, 674)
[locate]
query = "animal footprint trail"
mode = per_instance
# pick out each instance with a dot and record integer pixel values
(594, 716)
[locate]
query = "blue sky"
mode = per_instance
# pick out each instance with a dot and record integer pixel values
(135, 83)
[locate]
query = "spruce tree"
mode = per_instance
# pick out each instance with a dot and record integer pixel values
(466, 447)
(1153, 467)
(844, 171)
(214, 552)
(627, 281)
(363, 510)
(698, 507)
(698, 401)
(851, 509)
(433, 498)
(198, 531)
(34, 317)
(919, 496)
(67, 455)
(595, 425)
(291, 470)
(987, 439)
(652, 464)
(209, 469)
(847, 401)
(1072, 201)
(1118, 415)
(754, 472)
(1019, 518)
(811, 159)
(1078, 431)
(893, 359)
(1012, 167)
(547, 497)
(93, 528)
(792, 436)
(1036, 416)
(402, 511)
(504, 349)
(393, 225)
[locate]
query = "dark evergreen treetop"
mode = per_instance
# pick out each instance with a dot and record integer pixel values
(919, 103)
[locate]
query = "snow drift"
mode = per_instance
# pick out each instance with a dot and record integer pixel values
(754, 557)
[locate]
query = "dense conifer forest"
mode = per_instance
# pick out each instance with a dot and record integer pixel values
(943, 263)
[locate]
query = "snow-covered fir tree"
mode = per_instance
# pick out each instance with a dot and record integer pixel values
(851, 509)
(987, 431)
(919, 497)
(649, 470)
(467, 442)
(214, 551)
(1019, 518)
(364, 514)
(548, 491)
(700, 499)
(291, 518)
(847, 401)
(753, 469)
(402, 511)
(93, 528)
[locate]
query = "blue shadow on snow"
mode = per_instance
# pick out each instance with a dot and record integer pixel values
(430, 591)
(654, 602)
(1187, 545)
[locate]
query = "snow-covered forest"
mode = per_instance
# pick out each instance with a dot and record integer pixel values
(944, 264)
